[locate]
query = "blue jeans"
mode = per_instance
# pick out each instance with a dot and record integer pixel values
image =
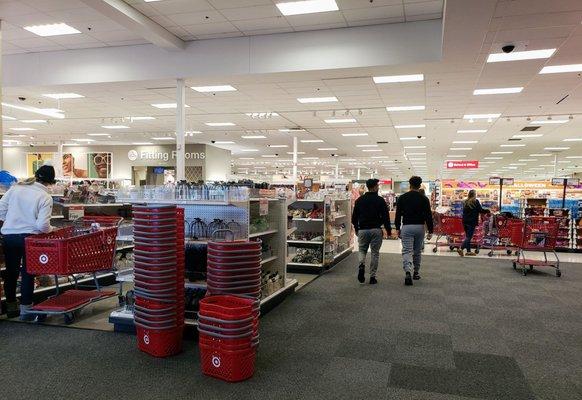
(14, 255)
(469, 231)
(412, 237)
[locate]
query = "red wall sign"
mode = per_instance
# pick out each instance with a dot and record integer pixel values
(385, 181)
(458, 164)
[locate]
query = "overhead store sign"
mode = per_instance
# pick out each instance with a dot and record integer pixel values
(134, 155)
(455, 164)
(570, 181)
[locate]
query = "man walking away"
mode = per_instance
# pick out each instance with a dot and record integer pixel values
(412, 214)
(370, 213)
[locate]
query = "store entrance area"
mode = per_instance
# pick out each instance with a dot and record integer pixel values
(466, 331)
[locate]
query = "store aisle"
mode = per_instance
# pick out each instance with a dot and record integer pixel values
(477, 330)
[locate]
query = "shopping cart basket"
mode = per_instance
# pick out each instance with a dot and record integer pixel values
(450, 228)
(539, 235)
(502, 233)
(82, 248)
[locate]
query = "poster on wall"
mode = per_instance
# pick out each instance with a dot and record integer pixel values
(87, 165)
(36, 160)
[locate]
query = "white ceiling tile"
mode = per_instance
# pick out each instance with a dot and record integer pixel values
(75, 15)
(208, 29)
(366, 22)
(374, 13)
(52, 5)
(423, 17)
(220, 35)
(66, 40)
(255, 12)
(353, 4)
(260, 24)
(202, 17)
(225, 4)
(315, 19)
(428, 7)
(181, 6)
(10, 9)
(268, 31)
(115, 36)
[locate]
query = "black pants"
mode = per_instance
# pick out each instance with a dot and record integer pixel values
(469, 231)
(15, 257)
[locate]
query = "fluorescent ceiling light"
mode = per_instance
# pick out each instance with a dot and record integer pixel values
(413, 138)
(508, 90)
(372, 150)
(518, 164)
(141, 118)
(481, 116)
(269, 155)
(528, 135)
(310, 158)
(48, 112)
(115, 127)
(526, 159)
(211, 89)
(541, 155)
(456, 156)
(306, 7)
(367, 145)
(556, 69)
(487, 162)
(398, 78)
(415, 147)
(502, 152)
(465, 141)
(99, 134)
(327, 148)
(405, 108)
(291, 130)
(70, 144)
(219, 124)
(7, 118)
(223, 142)
(512, 145)
(415, 154)
(167, 105)
(83, 140)
(520, 55)
(254, 137)
(246, 158)
(341, 121)
(354, 134)
(22, 129)
(460, 148)
(142, 143)
(275, 146)
(556, 148)
(34, 121)
(52, 29)
(410, 126)
(299, 152)
(60, 96)
(312, 141)
(378, 157)
(164, 138)
(549, 121)
(472, 131)
(249, 150)
(305, 100)
(493, 158)
(573, 140)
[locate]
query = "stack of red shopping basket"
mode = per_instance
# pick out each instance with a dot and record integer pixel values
(159, 278)
(234, 268)
(228, 336)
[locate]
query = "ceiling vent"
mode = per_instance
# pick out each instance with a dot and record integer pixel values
(382, 142)
(514, 140)
(530, 128)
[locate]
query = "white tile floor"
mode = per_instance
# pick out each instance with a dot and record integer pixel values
(394, 246)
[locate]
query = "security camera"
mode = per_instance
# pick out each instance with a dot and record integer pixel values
(419, 137)
(31, 145)
(508, 48)
(213, 141)
(22, 98)
(277, 154)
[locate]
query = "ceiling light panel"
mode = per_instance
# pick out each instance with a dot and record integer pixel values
(213, 89)
(254, 137)
(557, 69)
(354, 134)
(341, 121)
(399, 78)
(306, 7)
(508, 90)
(417, 126)
(115, 127)
(549, 121)
(481, 116)
(308, 100)
(405, 108)
(52, 29)
(61, 96)
(521, 55)
(472, 131)
(167, 105)
(312, 141)
(219, 124)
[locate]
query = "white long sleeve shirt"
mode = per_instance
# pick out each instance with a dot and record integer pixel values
(26, 209)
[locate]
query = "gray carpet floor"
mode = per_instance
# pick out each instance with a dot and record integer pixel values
(470, 329)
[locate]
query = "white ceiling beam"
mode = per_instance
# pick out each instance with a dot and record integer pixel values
(127, 16)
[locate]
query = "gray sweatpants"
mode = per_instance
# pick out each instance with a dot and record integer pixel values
(370, 238)
(412, 243)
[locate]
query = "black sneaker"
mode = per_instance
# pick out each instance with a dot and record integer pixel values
(362, 273)
(373, 280)
(416, 276)
(408, 279)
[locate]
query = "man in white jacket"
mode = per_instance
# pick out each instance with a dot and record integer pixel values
(26, 210)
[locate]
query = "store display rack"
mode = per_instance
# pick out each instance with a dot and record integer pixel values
(319, 232)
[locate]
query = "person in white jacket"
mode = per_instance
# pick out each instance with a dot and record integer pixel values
(26, 210)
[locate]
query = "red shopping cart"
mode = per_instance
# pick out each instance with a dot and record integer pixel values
(539, 235)
(78, 249)
(503, 233)
(450, 228)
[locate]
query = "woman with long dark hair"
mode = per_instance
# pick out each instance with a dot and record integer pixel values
(26, 210)
(471, 210)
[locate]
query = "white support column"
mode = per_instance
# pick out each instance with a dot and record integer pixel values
(59, 161)
(555, 164)
(358, 174)
(294, 159)
(180, 130)
(337, 171)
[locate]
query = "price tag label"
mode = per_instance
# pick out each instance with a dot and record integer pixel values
(76, 212)
(263, 206)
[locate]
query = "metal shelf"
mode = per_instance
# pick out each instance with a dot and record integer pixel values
(269, 232)
(308, 219)
(308, 242)
(297, 264)
(349, 249)
(268, 259)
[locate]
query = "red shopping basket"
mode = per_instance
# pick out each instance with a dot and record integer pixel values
(228, 365)
(160, 342)
(63, 252)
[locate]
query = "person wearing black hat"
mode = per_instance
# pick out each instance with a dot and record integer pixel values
(370, 213)
(413, 213)
(26, 210)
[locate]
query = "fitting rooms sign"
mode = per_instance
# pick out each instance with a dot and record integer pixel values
(149, 155)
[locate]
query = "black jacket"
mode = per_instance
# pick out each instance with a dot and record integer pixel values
(371, 212)
(471, 213)
(413, 208)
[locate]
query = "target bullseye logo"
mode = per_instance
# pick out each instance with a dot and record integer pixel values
(215, 361)
(146, 339)
(451, 164)
(132, 155)
(109, 240)
(43, 259)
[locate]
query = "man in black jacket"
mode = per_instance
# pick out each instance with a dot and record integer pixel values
(370, 213)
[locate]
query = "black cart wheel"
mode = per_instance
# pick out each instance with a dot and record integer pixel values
(40, 318)
(490, 254)
(434, 250)
(524, 271)
(477, 251)
(508, 252)
(451, 248)
(69, 318)
(514, 265)
(558, 273)
(531, 267)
